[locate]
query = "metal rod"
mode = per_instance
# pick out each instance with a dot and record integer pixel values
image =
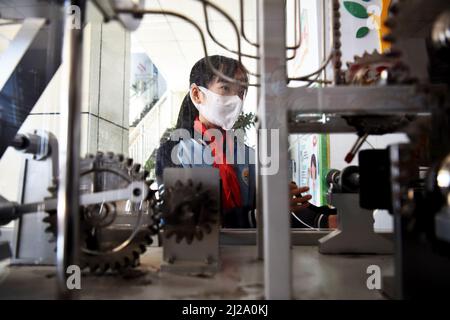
(236, 30)
(202, 37)
(316, 80)
(230, 19)
(354, 150)
(322, 68)
(67, 249)
(318, 71)
(324, 35)
(299, 42)
(239, 53)
(259, 206)
(242, 26)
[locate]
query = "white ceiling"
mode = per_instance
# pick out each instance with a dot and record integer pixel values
(7, 33)
(174, 45)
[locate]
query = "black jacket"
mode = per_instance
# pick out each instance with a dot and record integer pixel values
(240, 217)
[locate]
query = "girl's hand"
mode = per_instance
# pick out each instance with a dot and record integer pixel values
(297, 200)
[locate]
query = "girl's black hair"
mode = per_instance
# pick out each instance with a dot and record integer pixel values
(314, 162)
(202, 76)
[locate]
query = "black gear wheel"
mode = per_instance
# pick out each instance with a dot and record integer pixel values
(409, 20)
(188, 211)
(105, 242)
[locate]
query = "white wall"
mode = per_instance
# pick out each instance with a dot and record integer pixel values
(351, 45)
(340, 145)
(145, 137)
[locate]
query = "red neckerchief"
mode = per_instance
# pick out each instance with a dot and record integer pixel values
(231, 191)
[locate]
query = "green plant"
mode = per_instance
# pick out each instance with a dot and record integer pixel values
(150, 164)
(245, 121)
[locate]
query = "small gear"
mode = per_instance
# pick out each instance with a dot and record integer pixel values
(368, 69)
(112, 234)
(188, 211)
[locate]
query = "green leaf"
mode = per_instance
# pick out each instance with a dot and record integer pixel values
(245, 121)
(362, 32)
(355, 9)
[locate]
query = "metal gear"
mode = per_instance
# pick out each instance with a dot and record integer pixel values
(112, 234)
(378, 125)
(408, 21)
(188, 211)
(368, 68)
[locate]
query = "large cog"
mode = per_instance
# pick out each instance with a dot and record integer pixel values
(112, 234)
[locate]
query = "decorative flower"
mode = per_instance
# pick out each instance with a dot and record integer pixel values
(372, 14)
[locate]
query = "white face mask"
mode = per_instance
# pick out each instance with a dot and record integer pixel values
(222, 111)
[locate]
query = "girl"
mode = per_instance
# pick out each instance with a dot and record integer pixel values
(213, 103)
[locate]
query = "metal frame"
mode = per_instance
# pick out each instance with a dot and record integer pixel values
(18, 46)
(21, 225)
(67, 251)
(355, 233)
(259, 209)
(236, 30)
(243, 35)
(277, 240)
(279, 109)
(295, 110)
(10, 59)
(200, 256)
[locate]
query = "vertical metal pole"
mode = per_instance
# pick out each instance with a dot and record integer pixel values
(273, 117)
(325, 45)
(399, 223)
(69, 152)
(259, 207)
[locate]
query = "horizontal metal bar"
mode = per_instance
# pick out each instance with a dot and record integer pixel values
(247, 237)
(327, 123)
(351, 99)
(115, 195)
(128, 193)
